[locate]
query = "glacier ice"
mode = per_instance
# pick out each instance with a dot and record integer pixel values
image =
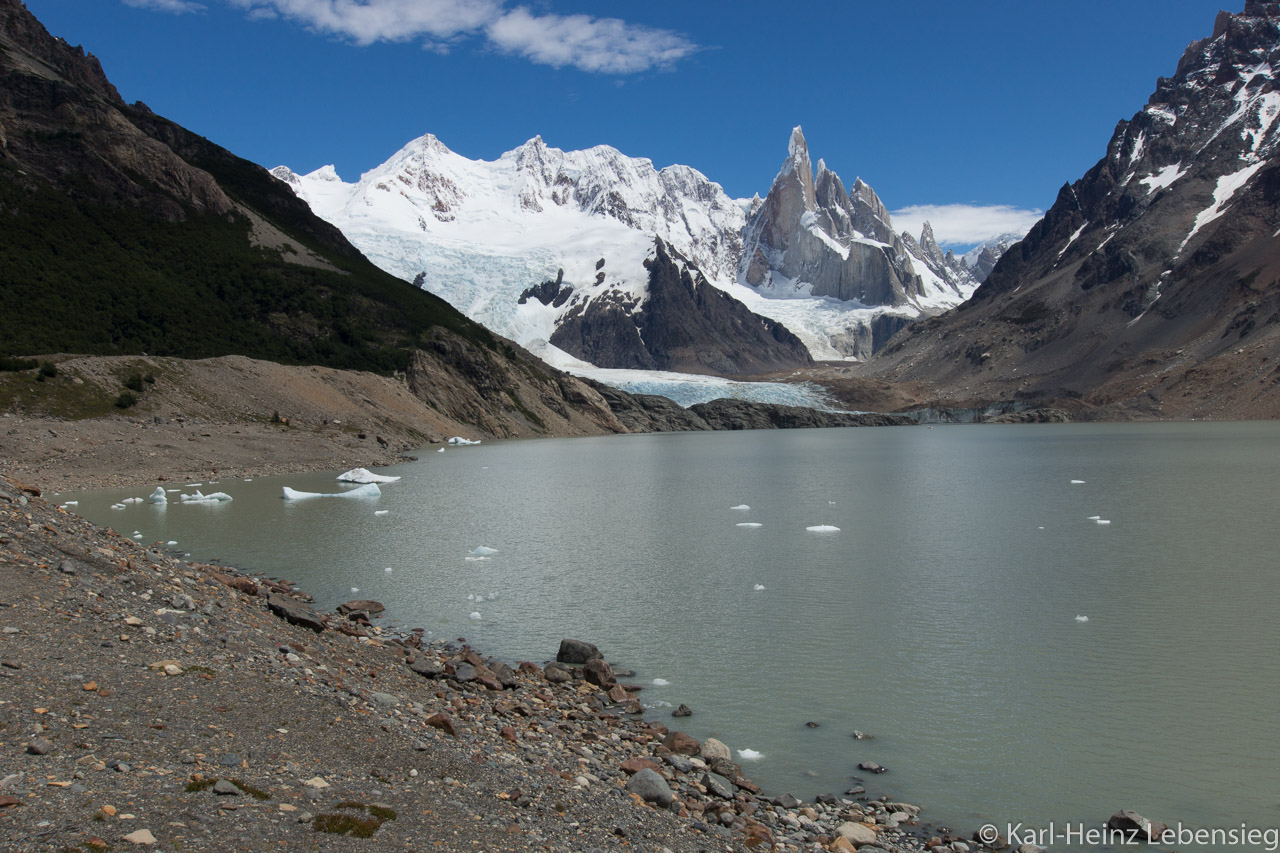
(459, 441)
(823, 528)
(201, 498)
(750, 755)
(158, 496)
(364, 475)
(740, 507)
(1082, 618)
(475, 614)
(660, 682)
(483, 551)
(381, 511)
(758, 587)
(749, 524)
(368, 490)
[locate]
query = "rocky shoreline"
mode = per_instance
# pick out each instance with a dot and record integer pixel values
(179, 706)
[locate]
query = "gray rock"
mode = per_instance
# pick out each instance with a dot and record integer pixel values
(857, 833)
(787, 801)
(294, 612)
(679, 762)
(556, 674)
(576, 651)
(464, 672)
(718, 785)
(650, 787)
(230, 759)
(712, 749)
(67, 567)
(872, 767)
(223, 788)
(427, 667)
(682, 711)
(39, 746)
(386, 699)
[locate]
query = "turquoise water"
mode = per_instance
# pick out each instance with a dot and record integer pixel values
(941, 617)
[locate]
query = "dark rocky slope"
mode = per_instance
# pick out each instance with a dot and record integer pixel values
(1152, 285)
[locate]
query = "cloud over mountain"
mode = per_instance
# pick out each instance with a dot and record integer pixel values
(966, 224)
(594, 45)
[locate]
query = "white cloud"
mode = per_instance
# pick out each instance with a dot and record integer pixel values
(965, 224)
(176, 7)
(596, 45)
(604, 45)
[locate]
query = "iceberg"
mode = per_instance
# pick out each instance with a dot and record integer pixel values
(201, 498)
(459, 441)
(364, 475)
(381, 511)
(823, 528)
(1077, 482)
(750, 755)
(750, 524)
(660, 682)
(758, 587)
(1082, 618)
(475, 614)
(158, 496)
(743, 507)
(368, 490)
(484, 551)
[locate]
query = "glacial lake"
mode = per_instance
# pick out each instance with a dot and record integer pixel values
(941, 618)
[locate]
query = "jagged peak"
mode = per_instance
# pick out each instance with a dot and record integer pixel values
(325, 173)
(822, 167)
(796, 146)
(926, 234)
(284, 173)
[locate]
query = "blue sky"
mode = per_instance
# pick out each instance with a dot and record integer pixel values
(987, 103)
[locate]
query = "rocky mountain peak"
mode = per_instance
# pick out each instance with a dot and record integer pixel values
(56, 60)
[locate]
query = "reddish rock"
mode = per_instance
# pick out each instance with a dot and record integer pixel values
(618, 694)
(681, 743)
(489, 681)
(598, 672)
(444, 723)
(367, 605)
(507, 733)
(634, 765)
(530, 668)
(7, 800)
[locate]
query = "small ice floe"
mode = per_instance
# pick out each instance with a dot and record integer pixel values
(493, 596)
(441, 450)
(758, 587)
(192, 485)
(750, 755)
(1040, 528)
(1094, 517)
(368, 490)
(483, 551)
(248, 479)
(137, 534)
(823, 528)
(1082, 618)
(355, 589)
(171, 491)
(751, 525)
(117, 506)
(158, 496)
(831, 503)
(201, 498)
(475, 614)
(471, 596)
(388, 569)
(471, 559)
(132, 501)
(660, 682)
(381, 511)
(741, 507)
(72, 503)
(459, 441)
(1077, 482)
(364, 475)
(1102, 521)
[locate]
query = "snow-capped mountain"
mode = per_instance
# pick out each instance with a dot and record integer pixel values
(982, 258)
(492, 236)
(1155, 278)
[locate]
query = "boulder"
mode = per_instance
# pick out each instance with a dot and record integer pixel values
(576, 651)
(556, 674)
(369, 606)
(718, 785)
(294, 612)
(598, 672)
(857, 833)
(427, 667)
(1135, 826)
(681, 743)
(444, 723)
(872, 767)
(506, 677)
(650, 787)
(682, 711)
(712, 749)
(634, 765)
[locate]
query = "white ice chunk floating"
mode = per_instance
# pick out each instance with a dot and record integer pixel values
(750, 755)
(758, 587)
(368, 490)
(475, 614)
(1103, 521)
(471, 559)
(471, 596)
(355, 589)
(158, 496)
(1077, 482)
(1082, 618)
(823, 528)
(459, 441)
(193, 485)
(72, 503)
(1094, 517)
(660, 682)
(201, 498)
(749, 524)
(171, 491)
(172, 542)
(132, 500)
(364, 475)
(388, 569)
(441, 450)
(493, 596)
(483, 551)
(381, 511)
(742, 507)
(117, 506)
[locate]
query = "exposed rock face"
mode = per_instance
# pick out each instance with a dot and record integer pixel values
(684, 325)
(1153, 282)
(810, 231)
